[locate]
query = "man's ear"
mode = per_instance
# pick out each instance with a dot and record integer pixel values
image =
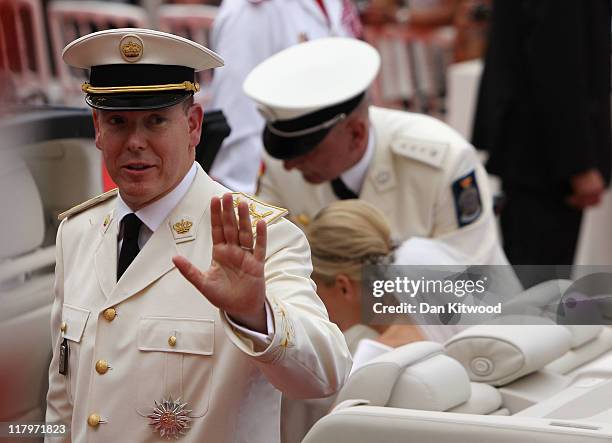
(359, 132)
(195, 115)
(96, 124)
(345, 286)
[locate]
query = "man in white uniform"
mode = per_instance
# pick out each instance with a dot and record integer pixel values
(170, 319)
(324, 143)
(245, 33)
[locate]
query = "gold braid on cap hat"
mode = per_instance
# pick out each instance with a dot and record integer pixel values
(185, 86)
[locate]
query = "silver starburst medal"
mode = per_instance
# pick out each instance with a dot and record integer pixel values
(170, 418)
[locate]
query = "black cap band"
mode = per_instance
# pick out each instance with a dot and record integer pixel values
(133, 76)
(287, 139)
(139, 75)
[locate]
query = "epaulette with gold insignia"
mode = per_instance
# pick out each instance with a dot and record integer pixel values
(425, 151)
(259, 210)
(87, 204)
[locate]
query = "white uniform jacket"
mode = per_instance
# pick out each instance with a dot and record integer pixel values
(246, 33)
(233, 391)
(423, 176)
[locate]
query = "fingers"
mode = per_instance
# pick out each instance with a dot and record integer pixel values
(245, 232)
(189, 271)
(260, 245)
(215, 221)
(228, 217)
(226, 229)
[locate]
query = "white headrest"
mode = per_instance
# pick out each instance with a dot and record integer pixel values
(22, 212)
(414, 376)
(541, 300)
(501, 353)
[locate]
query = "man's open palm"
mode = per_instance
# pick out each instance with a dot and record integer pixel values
(235, 281)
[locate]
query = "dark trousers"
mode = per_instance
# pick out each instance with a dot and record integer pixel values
(539, 228)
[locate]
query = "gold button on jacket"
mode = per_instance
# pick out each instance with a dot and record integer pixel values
(102, 366)
(110, 314)
(93, 420)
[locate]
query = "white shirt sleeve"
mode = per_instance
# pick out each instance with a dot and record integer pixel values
(261, 339)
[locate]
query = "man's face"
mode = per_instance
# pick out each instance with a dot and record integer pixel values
(329, 159)
(147, 153)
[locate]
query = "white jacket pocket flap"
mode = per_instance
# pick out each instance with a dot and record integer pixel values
(74, 319)
(171, 334)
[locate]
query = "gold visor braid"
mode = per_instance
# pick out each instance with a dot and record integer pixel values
(185, 86)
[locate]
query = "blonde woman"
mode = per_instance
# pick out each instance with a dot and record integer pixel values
(343, 237)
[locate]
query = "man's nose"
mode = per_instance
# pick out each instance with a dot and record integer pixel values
(294, 162)
(137, 139)
(290, 164)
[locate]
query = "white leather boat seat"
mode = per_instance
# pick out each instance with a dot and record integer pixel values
(512, 357)
(419, 376)
(26, 295)
(589, 342)
(367, 424)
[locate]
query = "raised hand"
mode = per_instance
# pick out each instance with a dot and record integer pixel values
(235, 281)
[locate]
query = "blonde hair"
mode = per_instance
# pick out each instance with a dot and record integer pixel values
(346, 235)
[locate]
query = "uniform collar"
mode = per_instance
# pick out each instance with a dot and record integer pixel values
(354, 177)
(153, 215)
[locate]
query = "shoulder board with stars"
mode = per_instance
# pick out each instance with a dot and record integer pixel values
(87, 204)
(425, 151)
(259, 210)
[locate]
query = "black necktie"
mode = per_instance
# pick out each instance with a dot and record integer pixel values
(129, 247)
(341, 190)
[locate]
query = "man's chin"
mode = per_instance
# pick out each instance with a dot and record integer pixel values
(313, 179)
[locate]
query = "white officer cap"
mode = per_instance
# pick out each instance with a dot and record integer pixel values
(304, 90)
(134, 69)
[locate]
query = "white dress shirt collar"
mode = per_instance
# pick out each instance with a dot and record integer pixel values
(354, 177)
(153, 215)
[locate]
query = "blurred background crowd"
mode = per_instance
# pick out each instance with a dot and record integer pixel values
(548, 67)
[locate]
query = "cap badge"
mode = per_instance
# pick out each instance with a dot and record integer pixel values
(170, 418)
(182, 227)
(131, 48)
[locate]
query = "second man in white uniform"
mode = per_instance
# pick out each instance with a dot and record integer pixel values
(324, 142)
(245, 33)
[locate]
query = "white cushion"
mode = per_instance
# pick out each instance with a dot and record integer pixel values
(538, 300)
(436, 384)
(498, 354)
(416, 376)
